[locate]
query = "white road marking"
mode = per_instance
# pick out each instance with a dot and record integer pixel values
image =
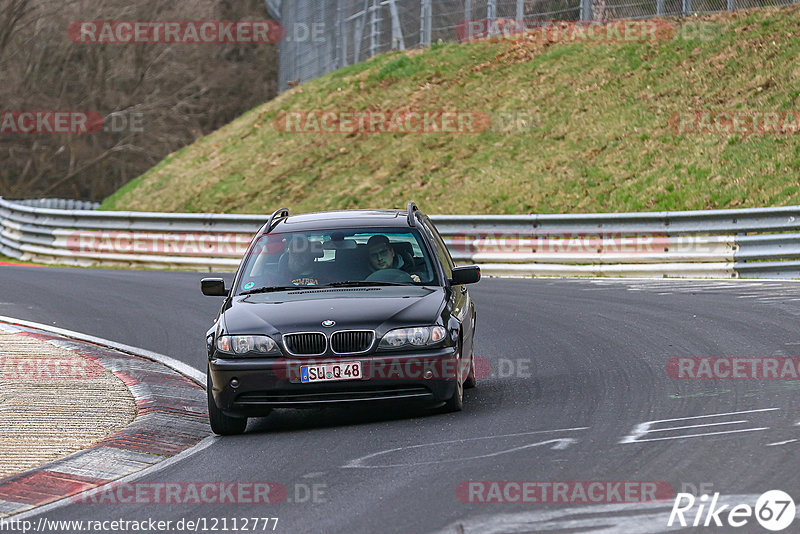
(646, 428)
(694, 426)
(563, 444)
(558, 444)
(700, 435)
(782, 442)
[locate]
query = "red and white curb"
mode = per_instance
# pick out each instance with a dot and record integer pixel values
(171, 422)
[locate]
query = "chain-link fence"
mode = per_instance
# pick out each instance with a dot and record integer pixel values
(324, 35)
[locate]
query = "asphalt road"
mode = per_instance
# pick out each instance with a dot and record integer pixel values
(578, 369)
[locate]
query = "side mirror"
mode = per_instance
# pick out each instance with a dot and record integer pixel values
(213, 287)
(469, 274)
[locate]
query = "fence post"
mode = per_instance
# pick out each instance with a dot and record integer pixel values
(520, 13)
(687, 8)
(491, 18)
(340, 59)
(426, 24)
(359, 33)
(373, 29)
(731, 5)
(398, 41)
(659, 7)
(586, 9)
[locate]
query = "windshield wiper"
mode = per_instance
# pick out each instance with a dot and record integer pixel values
(270, 289)
(363, 283)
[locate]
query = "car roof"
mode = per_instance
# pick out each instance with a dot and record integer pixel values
(331, 220)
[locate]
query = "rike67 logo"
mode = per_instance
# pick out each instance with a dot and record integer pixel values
(774, 510)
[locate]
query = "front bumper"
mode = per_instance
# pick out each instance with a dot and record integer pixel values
(266, 383)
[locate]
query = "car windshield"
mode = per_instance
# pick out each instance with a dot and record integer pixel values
(337, 258)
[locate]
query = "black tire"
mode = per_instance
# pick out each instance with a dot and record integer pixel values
(471, 381)
(220, 423)
(456, 402)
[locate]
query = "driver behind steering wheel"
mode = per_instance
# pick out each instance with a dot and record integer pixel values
(382, 255)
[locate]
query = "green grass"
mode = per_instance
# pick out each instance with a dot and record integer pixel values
(576, 127)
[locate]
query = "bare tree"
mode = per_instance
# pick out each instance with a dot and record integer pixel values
(180, 91)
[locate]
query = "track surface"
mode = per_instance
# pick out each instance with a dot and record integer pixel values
(596, 353)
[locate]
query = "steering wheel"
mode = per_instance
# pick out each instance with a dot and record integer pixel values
(390, 275)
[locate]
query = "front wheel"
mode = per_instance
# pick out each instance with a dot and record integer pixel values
(222, 424)
(471, 381)
(456, 402)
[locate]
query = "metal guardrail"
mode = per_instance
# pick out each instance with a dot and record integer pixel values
(750, 243)
(60, 204)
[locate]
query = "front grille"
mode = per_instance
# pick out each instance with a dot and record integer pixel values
(352, 341)
(309, 344)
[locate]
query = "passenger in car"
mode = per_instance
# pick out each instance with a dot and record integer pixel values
(382, 255)
(298, 265)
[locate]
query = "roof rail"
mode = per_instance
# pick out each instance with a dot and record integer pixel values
(275, 218)
(411, 209)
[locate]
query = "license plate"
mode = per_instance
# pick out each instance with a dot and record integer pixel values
(330, 371)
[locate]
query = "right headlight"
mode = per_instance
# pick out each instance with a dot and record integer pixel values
(242, 345)
(400, 338)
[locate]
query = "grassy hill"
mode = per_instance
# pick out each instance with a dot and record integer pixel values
(595, 132)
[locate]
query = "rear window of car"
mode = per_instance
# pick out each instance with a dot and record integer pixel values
(320, 258)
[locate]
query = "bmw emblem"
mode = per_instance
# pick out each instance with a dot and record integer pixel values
(328, 323)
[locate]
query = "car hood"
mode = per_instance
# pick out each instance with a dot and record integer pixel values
(304, 310)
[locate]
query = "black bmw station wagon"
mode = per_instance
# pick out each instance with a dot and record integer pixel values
(340, 307)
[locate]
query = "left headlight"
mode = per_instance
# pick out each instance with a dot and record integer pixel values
(241, 345)
(412, 337)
